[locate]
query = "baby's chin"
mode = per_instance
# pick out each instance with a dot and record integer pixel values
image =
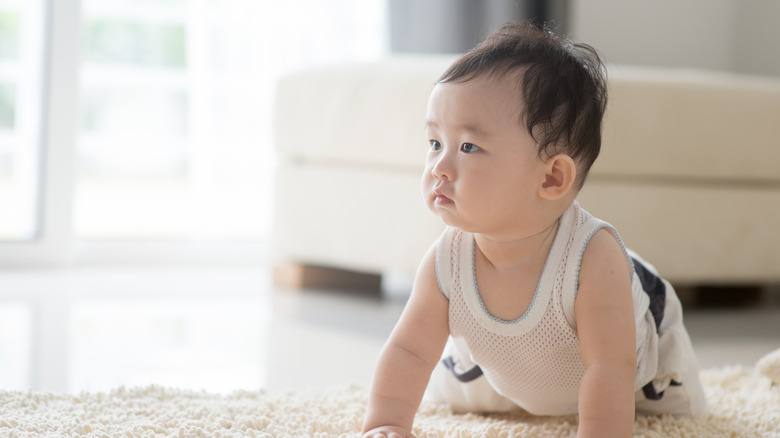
(449, 219)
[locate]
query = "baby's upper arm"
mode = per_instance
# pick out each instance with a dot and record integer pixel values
(604, 307)
(424, 324)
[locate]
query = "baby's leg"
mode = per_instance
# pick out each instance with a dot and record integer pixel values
(678, 369)
(459, 382)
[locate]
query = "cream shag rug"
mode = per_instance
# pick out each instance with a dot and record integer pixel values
(742, 404)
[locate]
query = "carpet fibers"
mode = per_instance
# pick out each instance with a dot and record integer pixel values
(742, 403)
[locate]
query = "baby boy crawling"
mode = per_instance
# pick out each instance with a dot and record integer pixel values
(526, 300)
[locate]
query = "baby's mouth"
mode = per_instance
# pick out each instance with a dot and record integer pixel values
(440, 198)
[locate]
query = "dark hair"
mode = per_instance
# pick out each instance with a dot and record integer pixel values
(563, 87)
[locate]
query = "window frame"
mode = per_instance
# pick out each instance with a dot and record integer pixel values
(57, 139)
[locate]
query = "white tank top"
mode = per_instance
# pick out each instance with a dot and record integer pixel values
(535, 360)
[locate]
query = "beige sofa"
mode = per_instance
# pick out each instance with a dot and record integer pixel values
(689, 171)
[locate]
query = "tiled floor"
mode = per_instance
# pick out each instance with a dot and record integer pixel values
(227, 328)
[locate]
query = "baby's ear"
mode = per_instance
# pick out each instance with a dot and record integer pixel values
(560, 174)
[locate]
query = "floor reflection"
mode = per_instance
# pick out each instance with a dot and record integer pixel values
(216, 344)
(15, 345)
(216, 329)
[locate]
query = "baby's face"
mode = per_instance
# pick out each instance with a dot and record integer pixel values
(482, 169)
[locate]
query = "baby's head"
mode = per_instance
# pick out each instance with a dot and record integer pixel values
(562, 87)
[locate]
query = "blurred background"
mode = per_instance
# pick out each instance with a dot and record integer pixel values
(136, 135)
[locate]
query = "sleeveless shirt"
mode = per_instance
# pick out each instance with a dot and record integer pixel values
(535, 360)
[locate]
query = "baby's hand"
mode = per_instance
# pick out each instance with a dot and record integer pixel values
(388, 432)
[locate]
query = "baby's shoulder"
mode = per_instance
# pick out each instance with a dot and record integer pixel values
(604, 262)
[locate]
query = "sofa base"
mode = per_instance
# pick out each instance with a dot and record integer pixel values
(300, 276)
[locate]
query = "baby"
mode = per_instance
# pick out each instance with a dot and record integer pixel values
(526, 300)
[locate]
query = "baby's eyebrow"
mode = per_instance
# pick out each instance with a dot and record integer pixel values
(470, 128)
(476, 130)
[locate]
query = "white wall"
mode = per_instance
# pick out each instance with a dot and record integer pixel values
(757, 48)
(730, 35)
(446, 26)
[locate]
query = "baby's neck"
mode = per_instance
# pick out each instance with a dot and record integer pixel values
(513, 253)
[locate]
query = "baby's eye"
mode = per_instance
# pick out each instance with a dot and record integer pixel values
(469, 148)
(435, 145)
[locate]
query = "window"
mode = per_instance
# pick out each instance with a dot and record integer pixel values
(134, 156)
(170, 113)
(175, 138)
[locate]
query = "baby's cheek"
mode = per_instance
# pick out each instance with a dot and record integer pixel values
(426, 190)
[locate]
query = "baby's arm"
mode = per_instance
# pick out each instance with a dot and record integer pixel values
(409, 356)
(604, 310)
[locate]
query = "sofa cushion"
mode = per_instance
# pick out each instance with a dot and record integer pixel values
(691, 125)
(668, 124)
